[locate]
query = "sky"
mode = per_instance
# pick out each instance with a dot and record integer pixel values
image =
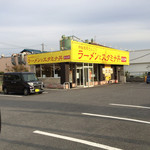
(121, 24)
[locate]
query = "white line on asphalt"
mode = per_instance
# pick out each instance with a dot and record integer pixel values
(11, 95)
(118, 118)
(93, 144)
(133, 106)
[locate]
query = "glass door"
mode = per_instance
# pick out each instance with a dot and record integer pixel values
(79, 76)
(85, 75)
(91, 77)
(88, 75)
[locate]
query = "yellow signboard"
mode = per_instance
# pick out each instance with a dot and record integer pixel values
(107, 71)
(88, 53)
(51, 57)
(82, 52)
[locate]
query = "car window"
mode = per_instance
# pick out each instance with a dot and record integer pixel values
(16, 78)
(8, 77)
(29, 77)
(5, 77)
(12, 78)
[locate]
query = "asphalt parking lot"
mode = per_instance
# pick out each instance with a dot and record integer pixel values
(109, 117)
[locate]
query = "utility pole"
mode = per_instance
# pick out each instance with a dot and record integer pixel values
(42, 47)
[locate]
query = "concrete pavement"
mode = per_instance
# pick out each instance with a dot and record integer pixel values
(60, 115)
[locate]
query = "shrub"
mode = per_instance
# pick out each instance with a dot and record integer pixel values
(1, 72)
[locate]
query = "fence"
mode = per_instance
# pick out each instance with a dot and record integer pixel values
(135, 76)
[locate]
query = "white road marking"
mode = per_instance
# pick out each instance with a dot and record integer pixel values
(93, 144)
(10, 95)
(118, 118)
(133, 106)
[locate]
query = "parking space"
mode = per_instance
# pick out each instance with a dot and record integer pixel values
(113, 117)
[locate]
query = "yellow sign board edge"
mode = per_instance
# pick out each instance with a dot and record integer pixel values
(97, 62)
(71, 58)
(49, 57)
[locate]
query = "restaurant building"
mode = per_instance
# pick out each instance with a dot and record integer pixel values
(79, 64)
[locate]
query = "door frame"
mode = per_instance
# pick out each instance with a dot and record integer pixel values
(85, 77)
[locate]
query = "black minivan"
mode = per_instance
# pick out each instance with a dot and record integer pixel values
(22, 82)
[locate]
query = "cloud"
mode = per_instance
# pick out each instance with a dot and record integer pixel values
(35, 12)
(113, 22)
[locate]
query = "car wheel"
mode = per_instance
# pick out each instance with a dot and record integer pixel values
(5, 90)
(40, 92)
(26, 92)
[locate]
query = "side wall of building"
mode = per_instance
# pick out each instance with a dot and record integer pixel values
(5, 64)
(137, 69)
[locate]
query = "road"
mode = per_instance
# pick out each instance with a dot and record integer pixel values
(109, 117)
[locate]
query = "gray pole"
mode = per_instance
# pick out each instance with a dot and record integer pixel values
(42, 47)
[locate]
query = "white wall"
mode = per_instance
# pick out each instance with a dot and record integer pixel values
(137, 69)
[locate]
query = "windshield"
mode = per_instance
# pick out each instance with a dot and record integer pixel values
(29, 77)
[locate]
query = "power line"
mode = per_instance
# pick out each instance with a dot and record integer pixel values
(11, 47)
(18, 46)
(21, 47)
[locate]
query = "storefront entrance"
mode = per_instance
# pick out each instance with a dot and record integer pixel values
(79, 75)
(84, 75)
